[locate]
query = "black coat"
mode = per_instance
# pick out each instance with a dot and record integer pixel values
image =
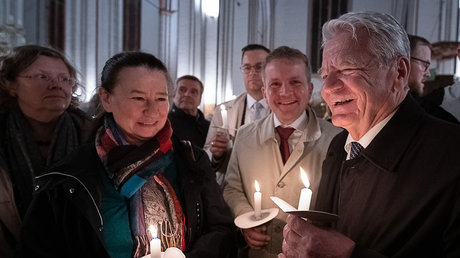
(64, 219)
(401, 196)
(188, 127)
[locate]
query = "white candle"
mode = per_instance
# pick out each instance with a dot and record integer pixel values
(305, 193)
(155, 244)
(223, 112)
(257, 201)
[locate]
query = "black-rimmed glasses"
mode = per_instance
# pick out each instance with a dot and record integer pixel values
(425, 64)
(247, 68)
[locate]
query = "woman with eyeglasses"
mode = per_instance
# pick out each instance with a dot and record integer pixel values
(102, 200)
(39, 125)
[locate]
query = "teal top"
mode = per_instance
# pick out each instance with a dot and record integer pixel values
(115, 214)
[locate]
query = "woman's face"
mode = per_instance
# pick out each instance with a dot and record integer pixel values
(139, 102)
(43, 90)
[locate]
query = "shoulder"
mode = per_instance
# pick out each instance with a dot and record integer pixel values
(328, 129)
(81, 165)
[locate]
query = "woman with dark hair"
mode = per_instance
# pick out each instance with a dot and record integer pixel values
(103, 198)
(39, 124)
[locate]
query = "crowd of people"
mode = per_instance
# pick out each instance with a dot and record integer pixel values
(77, 183)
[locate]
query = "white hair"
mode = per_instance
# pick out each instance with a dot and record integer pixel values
(387, 38)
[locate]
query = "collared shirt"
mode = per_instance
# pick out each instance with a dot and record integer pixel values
(300, 124)
(369, 136)
(250, 109)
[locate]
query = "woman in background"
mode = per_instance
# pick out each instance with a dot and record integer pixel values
(39, 125)
(101, 201)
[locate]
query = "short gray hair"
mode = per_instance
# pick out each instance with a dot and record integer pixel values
(387, 38)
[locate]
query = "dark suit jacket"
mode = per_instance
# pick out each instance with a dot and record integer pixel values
(401, 196)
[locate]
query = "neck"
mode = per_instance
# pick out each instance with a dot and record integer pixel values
(42, 131)
(257, 96)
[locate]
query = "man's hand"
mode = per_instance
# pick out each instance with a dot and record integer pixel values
(303, 239)
(219, 145)
(256, 237)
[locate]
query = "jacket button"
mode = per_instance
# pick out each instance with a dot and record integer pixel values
(72, 190)
(281, 184)
(37, 187)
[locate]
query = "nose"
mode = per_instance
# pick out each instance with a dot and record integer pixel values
(285, 89)
(150, 107)
(427, 73)
(331, 83)
(54, 83)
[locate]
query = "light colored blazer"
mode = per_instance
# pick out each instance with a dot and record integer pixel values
(235, 110)
(256, 156)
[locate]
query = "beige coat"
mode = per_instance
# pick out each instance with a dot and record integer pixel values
(256, 156)
(235, 110)
(10, 221)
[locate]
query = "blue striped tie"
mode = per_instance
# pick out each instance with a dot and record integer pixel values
(356, 148)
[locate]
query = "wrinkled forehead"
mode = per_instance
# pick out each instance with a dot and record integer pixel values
(343, 49)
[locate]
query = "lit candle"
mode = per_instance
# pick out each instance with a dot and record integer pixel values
(257, 201)
(155, 244)
(305, 194)
(223, 112)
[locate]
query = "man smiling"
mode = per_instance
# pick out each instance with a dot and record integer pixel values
(393, 177)
(273, 149)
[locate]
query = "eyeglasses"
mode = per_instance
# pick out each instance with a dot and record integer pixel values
(247, 68)
(425, 64)
(45, 79)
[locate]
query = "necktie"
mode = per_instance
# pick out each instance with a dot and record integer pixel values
(284, 133)
(258, 110)
(356, 148)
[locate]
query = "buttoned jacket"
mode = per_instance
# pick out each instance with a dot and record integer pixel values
(256, 156)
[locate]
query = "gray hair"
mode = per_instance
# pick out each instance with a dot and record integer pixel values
(387, 38)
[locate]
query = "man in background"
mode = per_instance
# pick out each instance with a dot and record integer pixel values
(245, 109)
(420, 56)
(187, 121)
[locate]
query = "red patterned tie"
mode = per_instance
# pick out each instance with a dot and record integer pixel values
(284, 133)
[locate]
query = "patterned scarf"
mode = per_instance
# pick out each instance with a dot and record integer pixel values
(138, 174)
(21, 150)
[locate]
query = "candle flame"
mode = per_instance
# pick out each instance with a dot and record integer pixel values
(153, 231)
(304, 177)
(256, 185)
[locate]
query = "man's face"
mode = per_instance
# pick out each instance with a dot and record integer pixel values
(420, 63)
(359, 92)
(253, 59)
(188, 96)
(287, 89)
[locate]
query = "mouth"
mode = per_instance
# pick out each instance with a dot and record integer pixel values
(287, 102)
(338, 103)
(147, 123)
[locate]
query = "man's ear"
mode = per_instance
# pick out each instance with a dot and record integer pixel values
(403, 71)
(105, 98)
(263, 92)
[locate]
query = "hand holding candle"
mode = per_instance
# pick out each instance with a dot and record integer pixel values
(257, 201)
(223, 112)
(155, 244)
(305, 194)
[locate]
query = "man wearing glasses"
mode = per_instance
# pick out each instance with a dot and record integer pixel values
(420, 57)
(245, 109)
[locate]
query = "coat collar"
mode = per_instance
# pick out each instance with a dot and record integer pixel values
(396, 136)
(311, 134)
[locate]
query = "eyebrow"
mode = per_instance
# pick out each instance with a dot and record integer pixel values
(142, 92)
